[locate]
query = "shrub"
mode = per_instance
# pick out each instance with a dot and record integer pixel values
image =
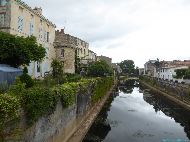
(37, 102)
(72, 77)
(17, 89)
(9, 108)
(57, 71)
(101, 87)
(67, 93)
(99, 69)
(25, 78)
(4, 87)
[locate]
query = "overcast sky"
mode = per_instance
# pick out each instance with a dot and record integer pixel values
(125, 29)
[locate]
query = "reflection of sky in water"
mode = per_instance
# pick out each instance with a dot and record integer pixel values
(138, 121)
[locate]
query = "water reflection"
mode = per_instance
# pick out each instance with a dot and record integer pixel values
(135, 114)
(169, 108)
(101, 126)
(128, 86)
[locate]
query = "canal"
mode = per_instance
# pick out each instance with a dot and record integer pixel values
(135, 114)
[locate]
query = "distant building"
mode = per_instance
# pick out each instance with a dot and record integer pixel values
(68, 47)
(168, 73)
(167, 70)
(82, 50)
(117, 68)
(150, 68)
(106, 59)
(92, 56)
(141, 71)
(17, 18)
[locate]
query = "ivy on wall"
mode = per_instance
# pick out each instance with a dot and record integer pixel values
(41, 101)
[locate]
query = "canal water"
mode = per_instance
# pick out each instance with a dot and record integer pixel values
(135, 114)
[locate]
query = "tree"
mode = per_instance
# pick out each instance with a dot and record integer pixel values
(57, 71)
(99, 69)
(127, 66)
(180, 73)
(17, 51)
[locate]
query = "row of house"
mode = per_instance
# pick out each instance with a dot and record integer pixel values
(165, 69)
(17, 18)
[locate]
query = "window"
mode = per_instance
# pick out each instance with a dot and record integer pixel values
(20, 24)
(38, 66)
(40, 22)
(47, 53)
(62, 52)
(31, 25)
(31, 28)
(2, 19)
(40, 33)
(47, 36)
(3, 2)
(84, 52)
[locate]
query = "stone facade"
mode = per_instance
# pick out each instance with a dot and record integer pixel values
(92, 56)
(150, 68)
(18, 18)
(65, 50)
(68, 46)
(106, 59)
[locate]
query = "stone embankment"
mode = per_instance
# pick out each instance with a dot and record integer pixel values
(64, 123)
(176, 92)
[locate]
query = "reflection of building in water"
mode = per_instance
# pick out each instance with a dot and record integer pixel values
(101, 127)
(180, 115)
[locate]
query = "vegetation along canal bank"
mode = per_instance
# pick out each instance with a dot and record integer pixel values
(47, 113)
(177, 92)
(134, 113)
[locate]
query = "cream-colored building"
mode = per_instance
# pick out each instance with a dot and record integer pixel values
(82, 50)
(17, 18)
(92, 56)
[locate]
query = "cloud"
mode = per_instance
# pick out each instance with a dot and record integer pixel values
(125, 29)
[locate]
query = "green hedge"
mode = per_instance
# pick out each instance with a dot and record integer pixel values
(101, 87)
(37, 102)
(9, 108)
(66, 93)
(40, 100)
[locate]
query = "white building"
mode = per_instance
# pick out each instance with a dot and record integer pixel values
(168, 73)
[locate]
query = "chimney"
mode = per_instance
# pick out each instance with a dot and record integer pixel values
(62, 31)
(38, 10)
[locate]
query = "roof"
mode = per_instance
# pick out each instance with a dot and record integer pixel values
(41, 16)
(7, 68)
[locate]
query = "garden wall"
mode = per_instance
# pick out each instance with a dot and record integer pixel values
(57, 125)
